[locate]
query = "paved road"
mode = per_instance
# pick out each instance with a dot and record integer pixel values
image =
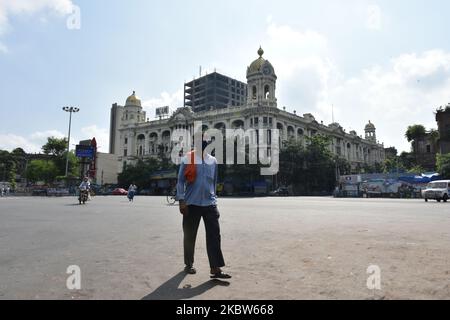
(276, 248)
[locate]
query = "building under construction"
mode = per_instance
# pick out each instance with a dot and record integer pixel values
(214, 91)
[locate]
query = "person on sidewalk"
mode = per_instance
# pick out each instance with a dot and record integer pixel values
(196, 193)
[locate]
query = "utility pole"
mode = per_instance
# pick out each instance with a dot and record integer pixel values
(70, 110)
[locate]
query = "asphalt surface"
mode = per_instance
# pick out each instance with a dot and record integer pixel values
(275, 248)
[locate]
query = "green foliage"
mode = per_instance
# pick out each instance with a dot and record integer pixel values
(18, 152)
(312, 168)
(41, 170)
(140, 173)
(416, 169)
(55, 147)
(12, 176)
(443, 165)
(8, 166)
(407, 160)
(13, 163)
(414, 132)
(60, 163)
(375, 168)
(434, 135)
(392, 165)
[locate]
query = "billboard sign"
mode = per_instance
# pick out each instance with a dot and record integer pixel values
(82, 151)
(163, 111)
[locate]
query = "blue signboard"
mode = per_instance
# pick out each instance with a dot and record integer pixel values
(84, 151)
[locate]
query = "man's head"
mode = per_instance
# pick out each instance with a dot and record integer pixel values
(86, 179)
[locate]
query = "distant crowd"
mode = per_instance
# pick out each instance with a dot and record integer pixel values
(5, 191)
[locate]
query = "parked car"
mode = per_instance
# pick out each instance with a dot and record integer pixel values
(437, 190)
(119, 192)
(282, 191)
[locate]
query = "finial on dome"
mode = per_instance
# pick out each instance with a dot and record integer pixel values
(134, 93)
(260, 51)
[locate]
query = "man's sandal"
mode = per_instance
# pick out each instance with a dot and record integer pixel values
(220, 275)
(190, 270)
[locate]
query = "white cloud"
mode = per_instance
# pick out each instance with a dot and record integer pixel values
(101, 135)
(10, 8)
(405, 91)
(11, 141)
(33, 143)
(303, 65)
(43, 135)
(374, 17)
(174, 101)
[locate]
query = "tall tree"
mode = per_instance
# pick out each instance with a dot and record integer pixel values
(309, 169)
(7, 165)
(55, 147)
(443, 165)
(41, 170)
(139, 173)
(407, 160)
(413, 134)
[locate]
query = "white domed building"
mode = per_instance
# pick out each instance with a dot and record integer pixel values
(133, 136)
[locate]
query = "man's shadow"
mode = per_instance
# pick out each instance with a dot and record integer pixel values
(169, 290)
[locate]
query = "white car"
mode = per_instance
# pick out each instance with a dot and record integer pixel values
(437, 190)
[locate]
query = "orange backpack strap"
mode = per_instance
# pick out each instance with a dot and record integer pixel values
(190, 171)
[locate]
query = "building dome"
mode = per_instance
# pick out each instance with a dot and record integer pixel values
(133, 100)
(370, 126)
(256, 65)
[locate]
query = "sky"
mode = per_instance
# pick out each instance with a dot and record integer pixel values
(383, 61)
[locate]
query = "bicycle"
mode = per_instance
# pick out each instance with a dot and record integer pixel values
(172, 196)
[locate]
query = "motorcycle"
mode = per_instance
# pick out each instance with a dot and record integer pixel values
(84, 194)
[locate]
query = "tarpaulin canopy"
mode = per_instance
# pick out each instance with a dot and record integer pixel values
(424, 178)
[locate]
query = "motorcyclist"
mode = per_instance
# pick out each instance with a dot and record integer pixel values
(85, 186)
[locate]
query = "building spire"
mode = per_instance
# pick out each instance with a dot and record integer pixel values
(260, 52)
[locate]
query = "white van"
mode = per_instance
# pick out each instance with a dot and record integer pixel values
(437, 190)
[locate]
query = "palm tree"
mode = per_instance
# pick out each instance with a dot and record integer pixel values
(413, 133)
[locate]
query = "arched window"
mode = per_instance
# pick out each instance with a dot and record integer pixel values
(254, 92)
(266, 91)
(237, 124)
(166, 135)
(291, 132)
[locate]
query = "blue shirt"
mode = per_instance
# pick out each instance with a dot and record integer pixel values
(203, 191)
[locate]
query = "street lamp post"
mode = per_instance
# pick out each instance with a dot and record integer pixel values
(70, 110)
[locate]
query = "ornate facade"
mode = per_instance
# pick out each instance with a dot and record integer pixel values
(133, 137)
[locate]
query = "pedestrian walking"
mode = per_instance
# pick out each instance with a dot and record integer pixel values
(131, 192)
